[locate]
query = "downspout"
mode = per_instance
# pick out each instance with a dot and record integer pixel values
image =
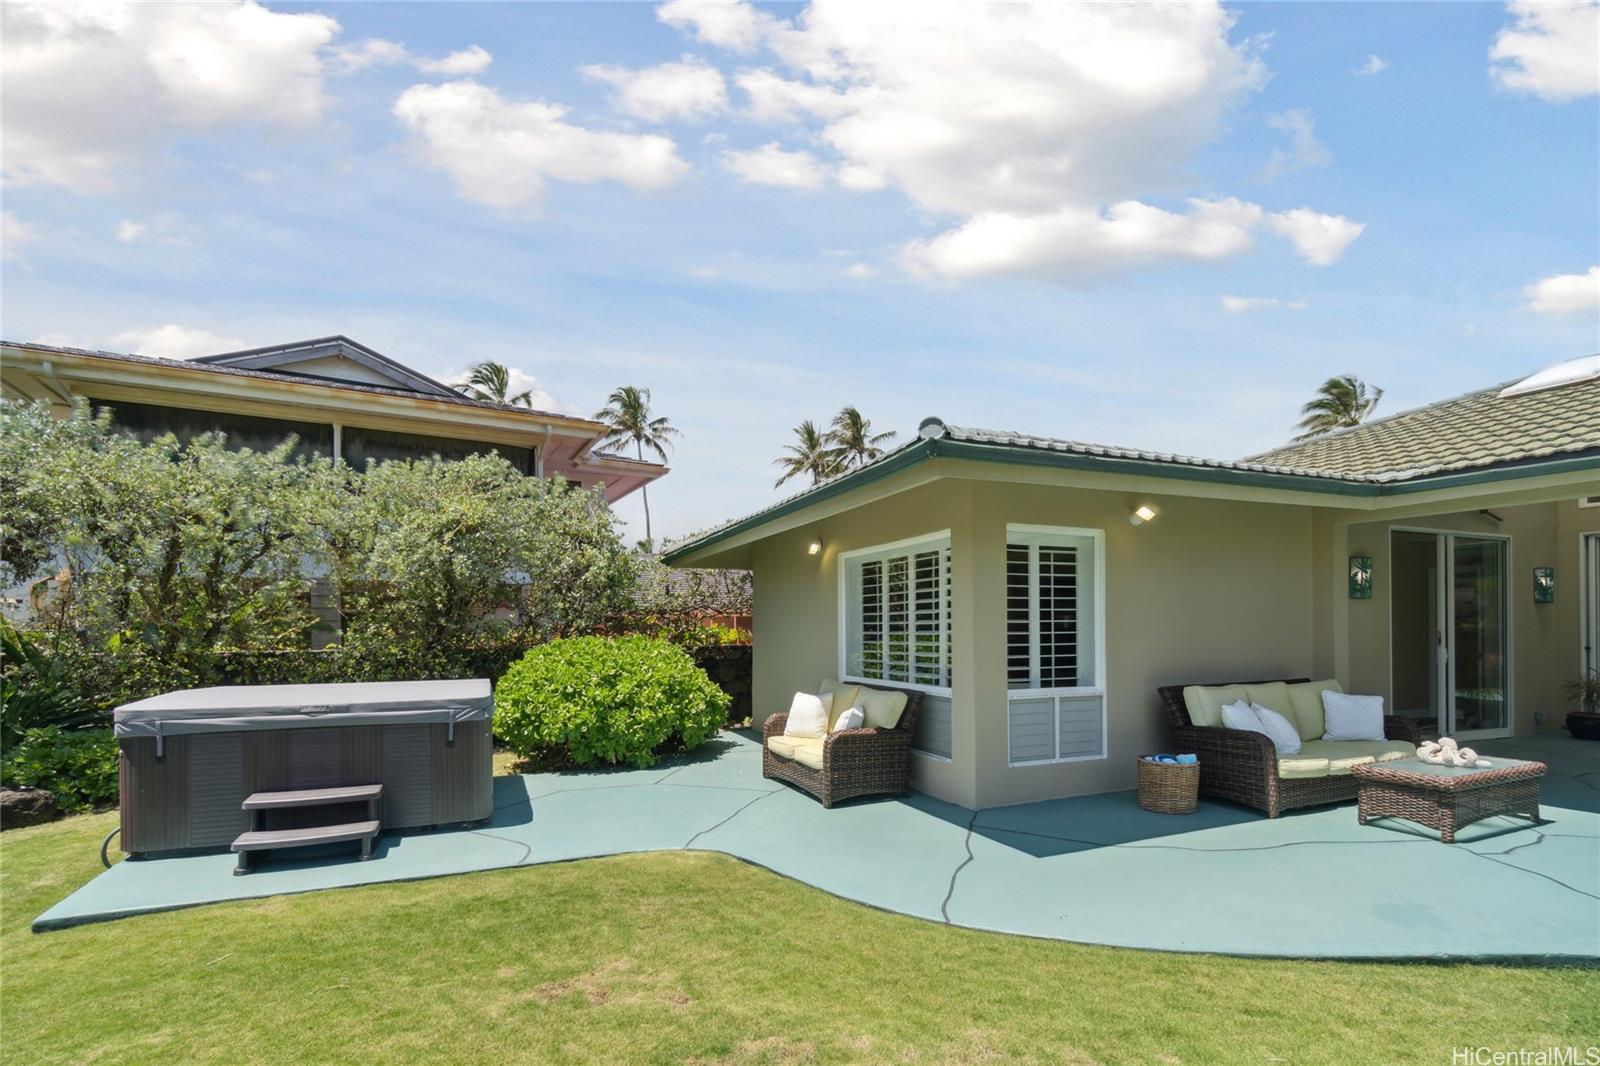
(538, 453)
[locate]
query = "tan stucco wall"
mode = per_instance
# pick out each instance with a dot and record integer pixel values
(1538, 659)
(1211, 590)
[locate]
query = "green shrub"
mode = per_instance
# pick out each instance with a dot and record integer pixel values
(606, 700)
(79, 766)
(37, 688)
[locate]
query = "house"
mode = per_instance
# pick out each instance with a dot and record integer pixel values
(1038, 590)
(340, 399)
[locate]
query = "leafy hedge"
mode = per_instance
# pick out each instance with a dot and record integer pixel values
(595, 700)
(79, 766)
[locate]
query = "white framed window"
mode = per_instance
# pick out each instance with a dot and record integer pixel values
(894, 604)
(1055, 644)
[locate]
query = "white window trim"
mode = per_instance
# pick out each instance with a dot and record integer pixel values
(1098, 537)
(891, 548)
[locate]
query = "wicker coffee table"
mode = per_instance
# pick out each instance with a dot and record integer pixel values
(1447, 798)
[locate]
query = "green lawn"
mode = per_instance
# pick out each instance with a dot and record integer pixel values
(685, 957)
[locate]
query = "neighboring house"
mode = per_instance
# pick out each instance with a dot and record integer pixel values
(1039, 590)
(339, 398)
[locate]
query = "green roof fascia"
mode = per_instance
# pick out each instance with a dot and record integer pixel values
(1024, 455)
(895, 463)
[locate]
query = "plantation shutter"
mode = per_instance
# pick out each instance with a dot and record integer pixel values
(898, 616)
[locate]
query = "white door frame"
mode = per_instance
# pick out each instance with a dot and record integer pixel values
(1445, 612)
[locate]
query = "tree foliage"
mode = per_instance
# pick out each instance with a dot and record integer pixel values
(183, 565)
(1340, 402)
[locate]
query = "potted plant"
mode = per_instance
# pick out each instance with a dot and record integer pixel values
(1584, 723)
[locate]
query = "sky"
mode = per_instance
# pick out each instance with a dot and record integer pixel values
(1158, 226)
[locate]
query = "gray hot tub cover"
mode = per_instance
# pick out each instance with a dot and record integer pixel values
(254, 707)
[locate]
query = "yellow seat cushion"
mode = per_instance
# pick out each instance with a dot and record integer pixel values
(810, 754)
(1205, 702)
(845, 696)
(1306, 699)
(882, 707)
(789, 747)
(1343, 754)
(1296, 766)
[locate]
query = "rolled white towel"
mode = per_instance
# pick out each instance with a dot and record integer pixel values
(1466, 757)
(1447, 744)
(1428, 751)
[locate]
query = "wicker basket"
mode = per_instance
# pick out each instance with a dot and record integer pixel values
(1168, 789)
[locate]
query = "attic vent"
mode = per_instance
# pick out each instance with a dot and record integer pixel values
(1571, 372)
(1589, 501)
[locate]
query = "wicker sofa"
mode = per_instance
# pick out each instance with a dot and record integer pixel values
(1244, 766)
(854, 762)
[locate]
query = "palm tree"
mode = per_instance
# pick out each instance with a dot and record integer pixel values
(627, 417)
(1340, 402)
(492, 382)
(812, 453)
(854, 443)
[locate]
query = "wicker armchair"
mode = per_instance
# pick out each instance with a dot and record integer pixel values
(855, 762)
(1243, 766)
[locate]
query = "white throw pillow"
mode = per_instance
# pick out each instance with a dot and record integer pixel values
(1238, 715)
(1352, 717)
(850, 719)
(1285, 737)
(808, 715)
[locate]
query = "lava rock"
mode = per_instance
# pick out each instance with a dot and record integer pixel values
(26, 806)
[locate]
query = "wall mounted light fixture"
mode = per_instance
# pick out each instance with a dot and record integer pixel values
(815, 547)
(1144, 514)
(1361, 577)
(1544, 584)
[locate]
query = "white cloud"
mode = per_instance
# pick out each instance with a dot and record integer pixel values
(502, 152)
(1085, 242)
(1021, 122)
(1238, 305)
(165, 227)
(15, 235)
(1373, 65)
(736, 26)
(1061, 101)
(372, 52)
(689, 89)
(1552, 49)
(771, 165)
(1319, 239)
(173, 341)
(1304, 152)
(377, 52)
(860, 271)
(90, 88)
(1566, 294)
(470, 60)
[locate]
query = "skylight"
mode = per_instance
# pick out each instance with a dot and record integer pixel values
(1571, 372)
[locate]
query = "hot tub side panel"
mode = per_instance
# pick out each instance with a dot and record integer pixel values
(191, 798)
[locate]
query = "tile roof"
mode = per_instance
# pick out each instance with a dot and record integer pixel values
(449, 396)
(1475, 432)
(1480, 429)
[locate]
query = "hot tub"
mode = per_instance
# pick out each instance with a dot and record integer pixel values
(189, 758)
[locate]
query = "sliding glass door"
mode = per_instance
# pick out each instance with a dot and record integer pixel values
(1450, 637)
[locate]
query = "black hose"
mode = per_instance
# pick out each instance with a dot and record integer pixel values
(105, 846)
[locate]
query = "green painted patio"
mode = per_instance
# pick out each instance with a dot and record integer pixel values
(1096, 869)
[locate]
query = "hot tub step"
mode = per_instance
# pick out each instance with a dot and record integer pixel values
(311, 797)
(267, 839)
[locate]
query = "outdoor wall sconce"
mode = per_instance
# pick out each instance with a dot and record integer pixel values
(1361, 577)
(1142, 515)
(815, 547)
(1544, 584)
